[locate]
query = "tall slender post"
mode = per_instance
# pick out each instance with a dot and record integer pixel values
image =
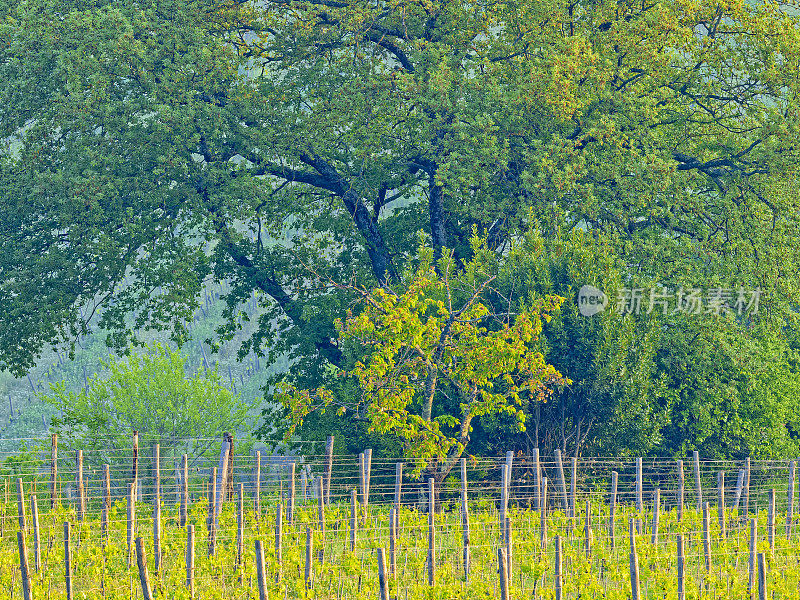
(398, 482)
(239, 528)
(261, 571)
(681, 569)
(362, 478)
(762, 577)
(367, 476)
(739, 488)
(751, 572)
(639, 498)
(790, 499)
(771, 522)
(37, 543)
(24, 568)
(656, 515)
(707, 536)
(257, 482)
(502, 561)
(561, 480)
(697, 486)
(157, 510)
(141, 562)
(353, 518)
(503, 495)
(634, 563)
(587, 529)
(465, 533)
(573, 487)
(681, 489)
(21, 506)
(184, 489)
(67, 561)
(278, 542)
(557, 571)
(131, 522)
(79, 485)
(612, 510)
(536, 481)
(431, 533)
(509, 468)
(747, 485)
(392, 540)
(135, 469)
(309, 557)
(543, 516)
(721, 502)
(222, 477)
(106, 503)
(190, 560)
(292, 494)
(53, 470)
(328, 470)
(509, 539)
(383, 579)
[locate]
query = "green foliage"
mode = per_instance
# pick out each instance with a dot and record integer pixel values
(149, 393)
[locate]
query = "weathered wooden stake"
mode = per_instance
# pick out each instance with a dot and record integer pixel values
(141, 562)
(509, 541)
(135, 469)
(383, 579)
(536, 479)
(739, 487)
(190, 560)
(502, 570)
(37, 544)
(771, 521)
(184, 489)
(79, 485)
(353, 518)
(27, 594)
(751, 572)
(639, 497)
(309, 557)
(503, 495)
(561, 480)
(762, 577)
(278, 542)
(721, 502)
(681, 569)
(681, 489)
(157, 570)
(543, 516)
(131, 522)
(557, 572)
(392, 540)
(67, 562)
(328, 470)
(697, 487)
(261, 571)
(21, 506)
(587, 529)
(367, 476)
(790, 499)
(612, 510)
(240, 528)
(106, 504)
(398, 482)
(747, 486)
(53, 470)
(431, 533)
(465, 541)
(634, 563)
(656, 515)
(707, 536)
(293, 494)
(573, 487)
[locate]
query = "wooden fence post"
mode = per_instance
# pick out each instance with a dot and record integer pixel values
(21, 506)
(141, 562)
(612, 510)
(557, 574)
(261, 571)
(503, 495)
(656, 515)
(67, 562)
(37, 542)
(543, 516)
(367, 477)
(309, 557)
(739, 487)
(706, 537)
(639, 498)
(293, 494)
(398, 482)
(135, 469)
(131, 521)
(106, 504)
(587, 529)
(762, 577)
(771, 521)
(721, 502)
(573, 488)
(697, 486)
(79, 485)
(392, 540)
(681, 569)
(190, 560)
(431, 533)
(353, 518)
(751, 571)
(23, 567)
(561, 480)
(240, 529)
(157, 567)
(503, 572)
(681, 489)
(383, 579)
(634, 564)
(536, 482)
(184, 489)
(278, 542)
(509, 539)
(790, 499)
(747, 486)
(53, 470)
(328, 470)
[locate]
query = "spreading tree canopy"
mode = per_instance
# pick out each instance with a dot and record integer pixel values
(284, 144)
